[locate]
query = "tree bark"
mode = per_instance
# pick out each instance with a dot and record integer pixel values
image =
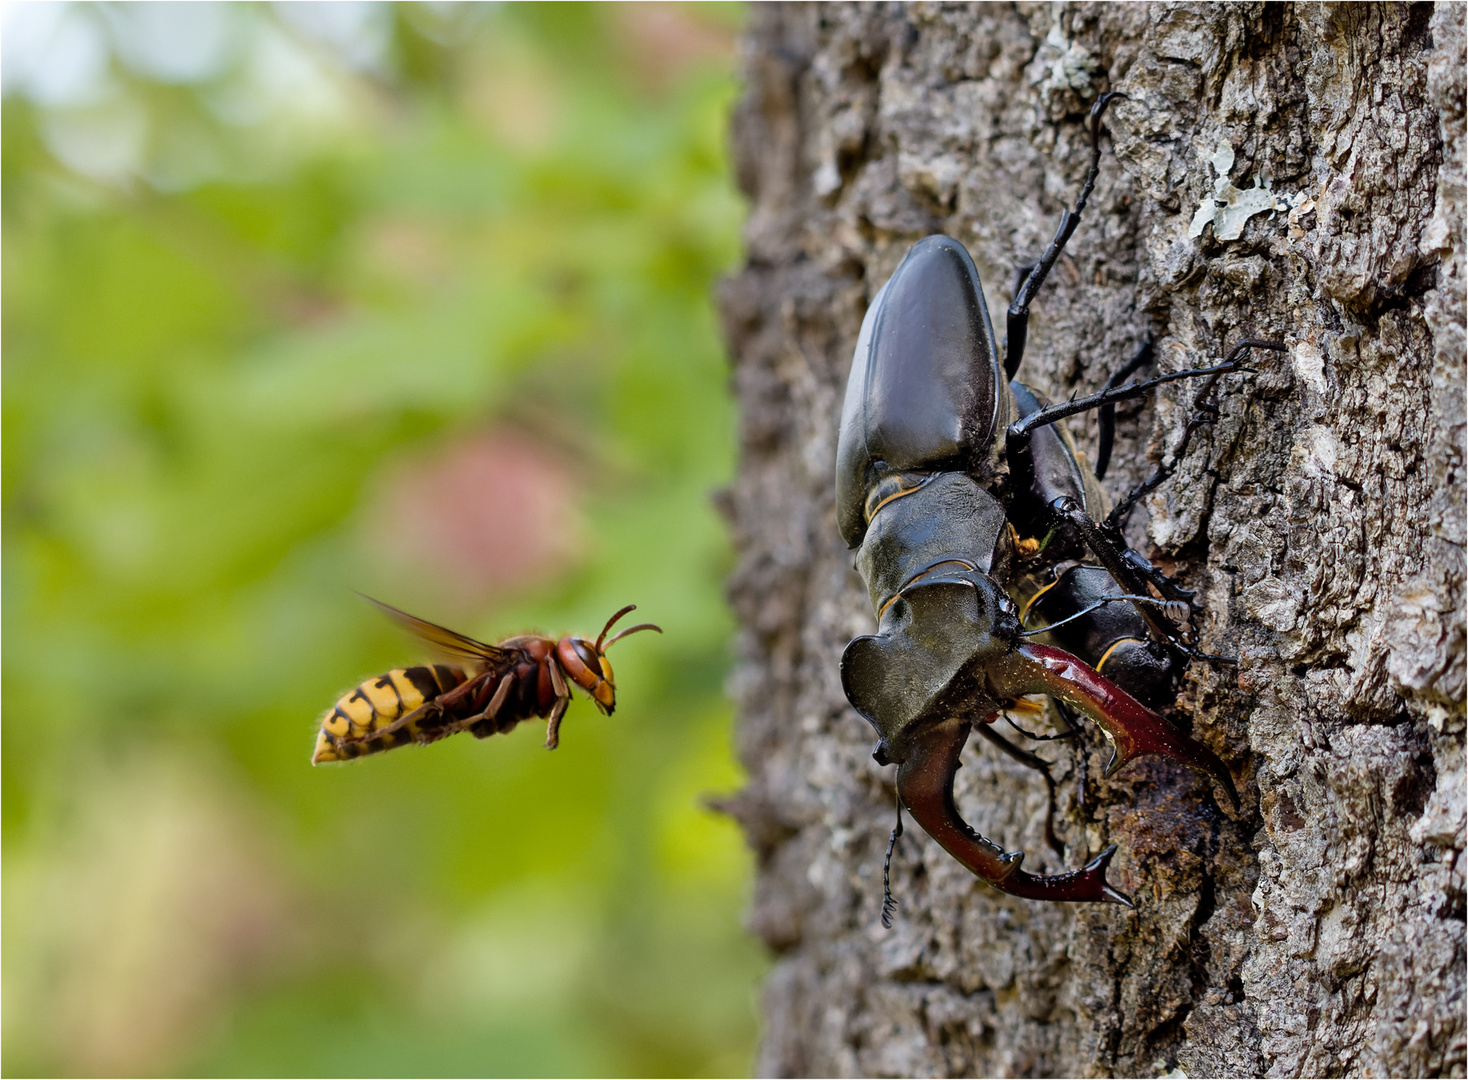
(1319, 931)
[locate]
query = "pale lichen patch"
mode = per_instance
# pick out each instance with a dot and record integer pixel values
(1229, 208)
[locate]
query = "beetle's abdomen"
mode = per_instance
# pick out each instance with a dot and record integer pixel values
(349, 728)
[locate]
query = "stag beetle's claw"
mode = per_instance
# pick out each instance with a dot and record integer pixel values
(1131, 727)
(925, 785)
(1098, 866)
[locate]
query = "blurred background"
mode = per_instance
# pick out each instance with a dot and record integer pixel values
(413, 299)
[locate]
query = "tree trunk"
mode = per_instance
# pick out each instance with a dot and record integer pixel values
(1319, 931)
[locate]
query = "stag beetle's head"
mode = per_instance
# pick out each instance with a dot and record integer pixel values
(929, 660)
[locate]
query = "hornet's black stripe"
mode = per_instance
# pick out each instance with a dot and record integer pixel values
(427, 682)
(388, 681)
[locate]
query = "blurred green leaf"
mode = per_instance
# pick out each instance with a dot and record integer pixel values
(324, 262)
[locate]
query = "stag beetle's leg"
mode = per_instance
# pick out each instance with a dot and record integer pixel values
(1166, 584)
(1108, 547)
(1204, 412)
(1024, 757)
(1132, 728)
(1024, 294)
(1018, 328)
(1106, 415)
(1067, 717)
(925, 784)
(1067, 729)
(1134, 573)
(1021, 272)
(1019, 431)
(1174, 595)
(1068, 733)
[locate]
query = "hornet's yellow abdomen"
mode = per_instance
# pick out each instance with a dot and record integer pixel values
(349, 729)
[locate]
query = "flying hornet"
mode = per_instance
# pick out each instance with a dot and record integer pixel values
(487, 689)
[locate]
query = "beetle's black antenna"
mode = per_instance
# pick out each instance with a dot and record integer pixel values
(889, 902)
(1173, 609)
(1020, 429)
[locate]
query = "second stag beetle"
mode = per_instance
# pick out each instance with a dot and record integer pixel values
(952, 481)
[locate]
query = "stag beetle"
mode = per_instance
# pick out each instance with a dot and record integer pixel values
(942, 463)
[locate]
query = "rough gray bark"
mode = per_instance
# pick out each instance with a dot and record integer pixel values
(1321, 930)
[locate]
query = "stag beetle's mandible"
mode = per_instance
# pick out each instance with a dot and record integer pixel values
(943, 464)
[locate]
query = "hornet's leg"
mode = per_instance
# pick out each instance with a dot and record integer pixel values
(553, 725)
(563, 699)
(501, 694)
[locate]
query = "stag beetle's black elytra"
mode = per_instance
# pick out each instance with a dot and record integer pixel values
(923, 392)
(944, 467)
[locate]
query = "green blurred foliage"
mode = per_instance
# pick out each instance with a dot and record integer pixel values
(225, 349)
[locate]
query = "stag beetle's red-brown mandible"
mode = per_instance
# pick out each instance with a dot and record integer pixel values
(942, 464)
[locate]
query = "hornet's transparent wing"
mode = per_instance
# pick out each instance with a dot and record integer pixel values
(447, 643)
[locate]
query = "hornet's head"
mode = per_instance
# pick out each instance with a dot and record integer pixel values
(585, 662)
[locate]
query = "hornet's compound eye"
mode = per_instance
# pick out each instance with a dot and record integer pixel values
(586, 652)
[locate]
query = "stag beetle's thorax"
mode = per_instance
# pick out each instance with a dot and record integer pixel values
(921, 447)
